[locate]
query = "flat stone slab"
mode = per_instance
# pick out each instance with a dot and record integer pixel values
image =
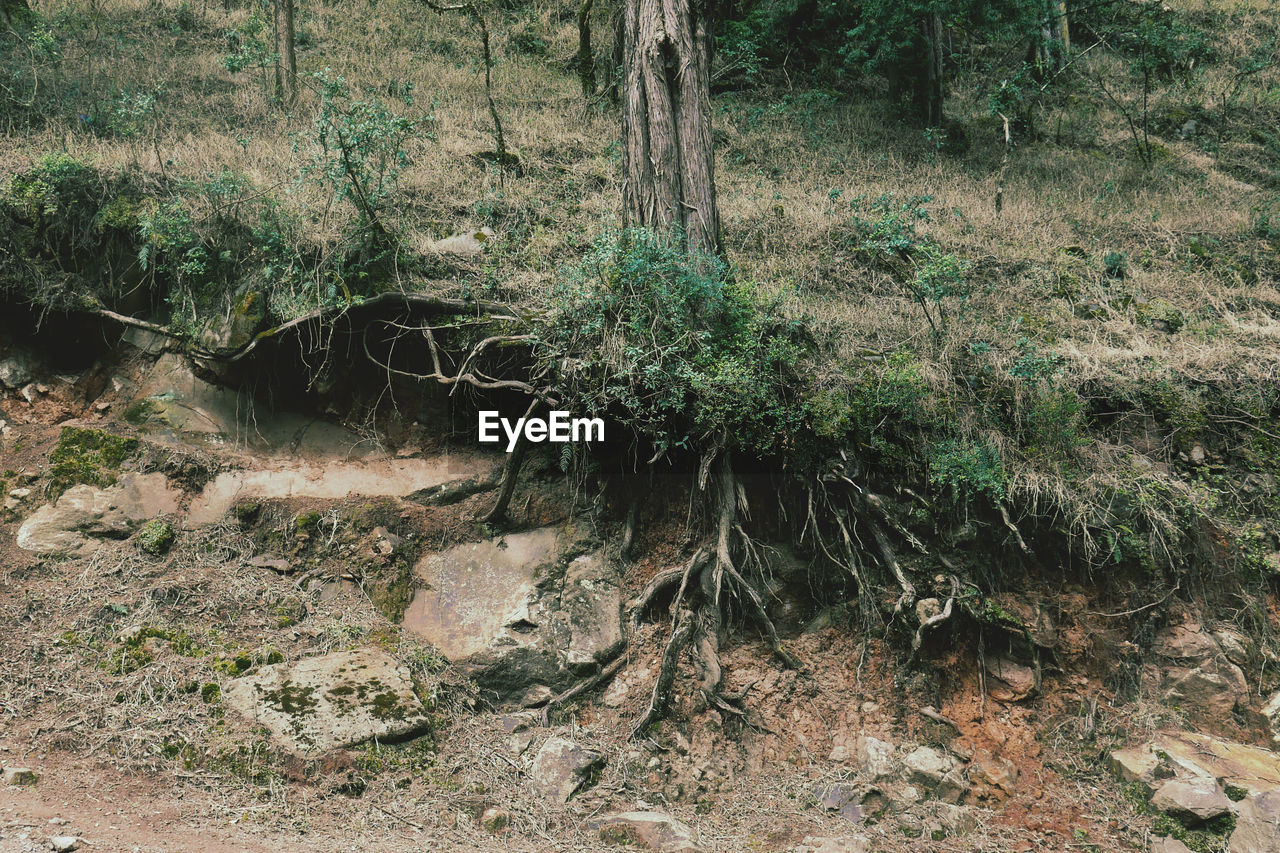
(473, 591)
(83, 516)
(332, 480)
(336, 700)
(1253, 768)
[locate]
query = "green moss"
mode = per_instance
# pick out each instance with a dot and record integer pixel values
(210, 692)
(155, 537)
(87, 456)
(292, 699)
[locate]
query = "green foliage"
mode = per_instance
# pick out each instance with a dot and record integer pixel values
(356, 147)
(250, 45)
(87, 456)
(968, 469)
(124, 114)
(527, 42)
(672, 347)
(155, 537)
(1155, 38)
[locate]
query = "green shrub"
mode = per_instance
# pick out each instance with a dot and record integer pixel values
(672, 347)
(968, 469)
(155, 537)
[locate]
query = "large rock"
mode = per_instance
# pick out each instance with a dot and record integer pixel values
(852, 802)
(519, 614)
(1257, 825)
(79, 520)
(1008, 680)
(1189, 755)
(926, 767)
(15, 370)
(1192, 801)
(875, 758)
(336, 700)
(1198, 676)
(993, 776)
(562, 767)
(1271, 711)
(646, 831)
(1136, 764)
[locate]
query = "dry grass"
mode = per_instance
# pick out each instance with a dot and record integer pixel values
(789, 161)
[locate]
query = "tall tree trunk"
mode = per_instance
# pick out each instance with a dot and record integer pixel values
(13, 10)
(586, 58)
(277, 27)
(932, 81)
(1055, 37)
(668, 168)
(289, 54)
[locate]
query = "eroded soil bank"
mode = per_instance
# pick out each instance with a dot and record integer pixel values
(244, 627)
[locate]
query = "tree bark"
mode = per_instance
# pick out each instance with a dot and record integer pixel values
(932, 82)
(1055, 37)
(586, 57)
(288, 54)
(668, 162)
(13, 9)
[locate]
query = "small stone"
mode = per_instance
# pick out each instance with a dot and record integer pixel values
(495, 820)
(647, 831)
(275, 564)
(466, 243)
(1192, 801)
(20, 494)
(875, 757)
(1168, 845)
(561, 767)
(64, 843)
(20, 776)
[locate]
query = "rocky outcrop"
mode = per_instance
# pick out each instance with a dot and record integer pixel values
(560, 768)
(1271, 713)
(336, 700)
(1190, 755)
(524, 615)
(1257, 825)
(79, 520)
(1193, 801)
(1198, 675)
(645, 831)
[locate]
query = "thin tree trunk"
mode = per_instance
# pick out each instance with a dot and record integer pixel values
(13, 10)
(586, 58)
(277, 27)
(289, 53)
(931, 96)
(668, 162)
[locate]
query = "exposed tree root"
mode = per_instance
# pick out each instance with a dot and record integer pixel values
(937, 618)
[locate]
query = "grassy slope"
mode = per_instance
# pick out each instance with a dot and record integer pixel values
(1181, 352)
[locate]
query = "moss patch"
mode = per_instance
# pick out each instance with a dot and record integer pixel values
(87, 456)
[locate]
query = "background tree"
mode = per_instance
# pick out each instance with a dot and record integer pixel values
(668, 166)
